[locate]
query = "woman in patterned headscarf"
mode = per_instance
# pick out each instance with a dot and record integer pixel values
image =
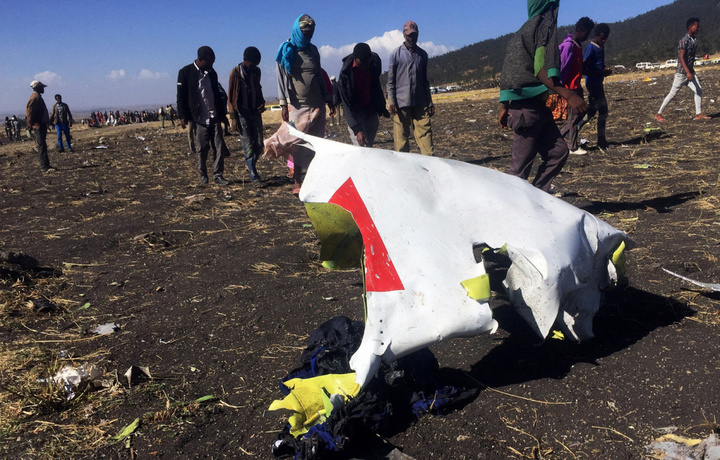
(302, 94)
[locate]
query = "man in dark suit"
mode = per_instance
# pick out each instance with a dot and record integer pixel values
(199, 101)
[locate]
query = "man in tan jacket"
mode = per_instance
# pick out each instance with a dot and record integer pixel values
(37, 117)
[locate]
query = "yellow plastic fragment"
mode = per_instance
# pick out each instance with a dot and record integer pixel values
(679, 439)
(478, 288)
(309, 401)
(618, 258)
(557, 335)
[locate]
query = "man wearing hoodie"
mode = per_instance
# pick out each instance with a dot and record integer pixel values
(531, 67)
(361, 94)
(571, 69)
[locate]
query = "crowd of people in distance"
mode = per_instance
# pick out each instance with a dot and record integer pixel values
(538, 75)
(12, 128)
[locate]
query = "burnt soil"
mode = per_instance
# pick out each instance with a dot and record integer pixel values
(216, 289)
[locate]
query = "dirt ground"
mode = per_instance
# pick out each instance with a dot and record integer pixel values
(215, 290)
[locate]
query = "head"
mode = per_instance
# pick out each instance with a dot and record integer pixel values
(583, 28)
(362, 55)
(693, 26)
(205, 58)
(410, 32)
(251, 57)
(58, 98)
(602, 32)
(38, 86)
(307, 26)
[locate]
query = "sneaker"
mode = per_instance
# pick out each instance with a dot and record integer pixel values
(660, 118)
(220, 180)
(203, 179)
(60, 150)
(49, 169)
(71, 150)
(578, 151)
(701, 116)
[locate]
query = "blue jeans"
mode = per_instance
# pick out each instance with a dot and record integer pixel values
(251, 134)
(61, 128)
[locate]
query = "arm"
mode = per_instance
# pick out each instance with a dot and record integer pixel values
(283, 93)
(182, 99)
(577, 103)
(53, 115)
(70, 117)
(431, 106)
(232, 98)
(261, 98)
(392, 68)
(681, 57)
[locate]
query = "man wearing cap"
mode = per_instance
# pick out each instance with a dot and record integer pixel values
(245, 107)
(199, 102)
(63, 120)
(408, 91)
(37, 117)
(361, 94)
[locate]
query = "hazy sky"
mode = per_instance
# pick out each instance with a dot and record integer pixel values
(103, 54)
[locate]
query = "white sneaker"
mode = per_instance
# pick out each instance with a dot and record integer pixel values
(578, 151)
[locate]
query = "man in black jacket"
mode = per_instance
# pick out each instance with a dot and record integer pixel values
(361, 94)
(199, 101)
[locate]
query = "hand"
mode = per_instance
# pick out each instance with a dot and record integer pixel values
(689, 76)
(362, 140)
(261, 109)
(393, 109)
(578, 104)
(502, 121)
(331, 106)
(431, 110)
(183, 123)
(284, 113)
(233, 124)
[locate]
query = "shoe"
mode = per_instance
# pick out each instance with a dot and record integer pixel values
(660, 118)
(701, 116)
(49, 169)
(60, 150)
(71, 150)
(203, 179)
(603, 145)
(296, 191)
(220, 180)
(578, 151)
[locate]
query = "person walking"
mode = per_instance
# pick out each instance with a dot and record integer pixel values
(302, 97)
(362, 95)
(246, 105)
(595, 70)
(571, 70)
(37, 117)
(685, 72)
(408, 91)
(63, 120)
(199, 102)
(530, 68)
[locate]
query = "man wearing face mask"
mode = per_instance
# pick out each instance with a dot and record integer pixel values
(408, 91)
(199, 101)
(361, 94)
(302, 93)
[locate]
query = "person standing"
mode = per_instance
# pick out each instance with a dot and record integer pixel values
(530, 68)
(361, 94)
(302, 96)
(685, 72)
(63, 120)
(8, 129)
(246, 105)
(199, 102)
(408, 90)
(571, 70)
(161, 115)
(37, 117)
(595, 70)
(16, 127)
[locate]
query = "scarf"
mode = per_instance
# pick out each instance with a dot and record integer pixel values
(296, 42)
(536, 7)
